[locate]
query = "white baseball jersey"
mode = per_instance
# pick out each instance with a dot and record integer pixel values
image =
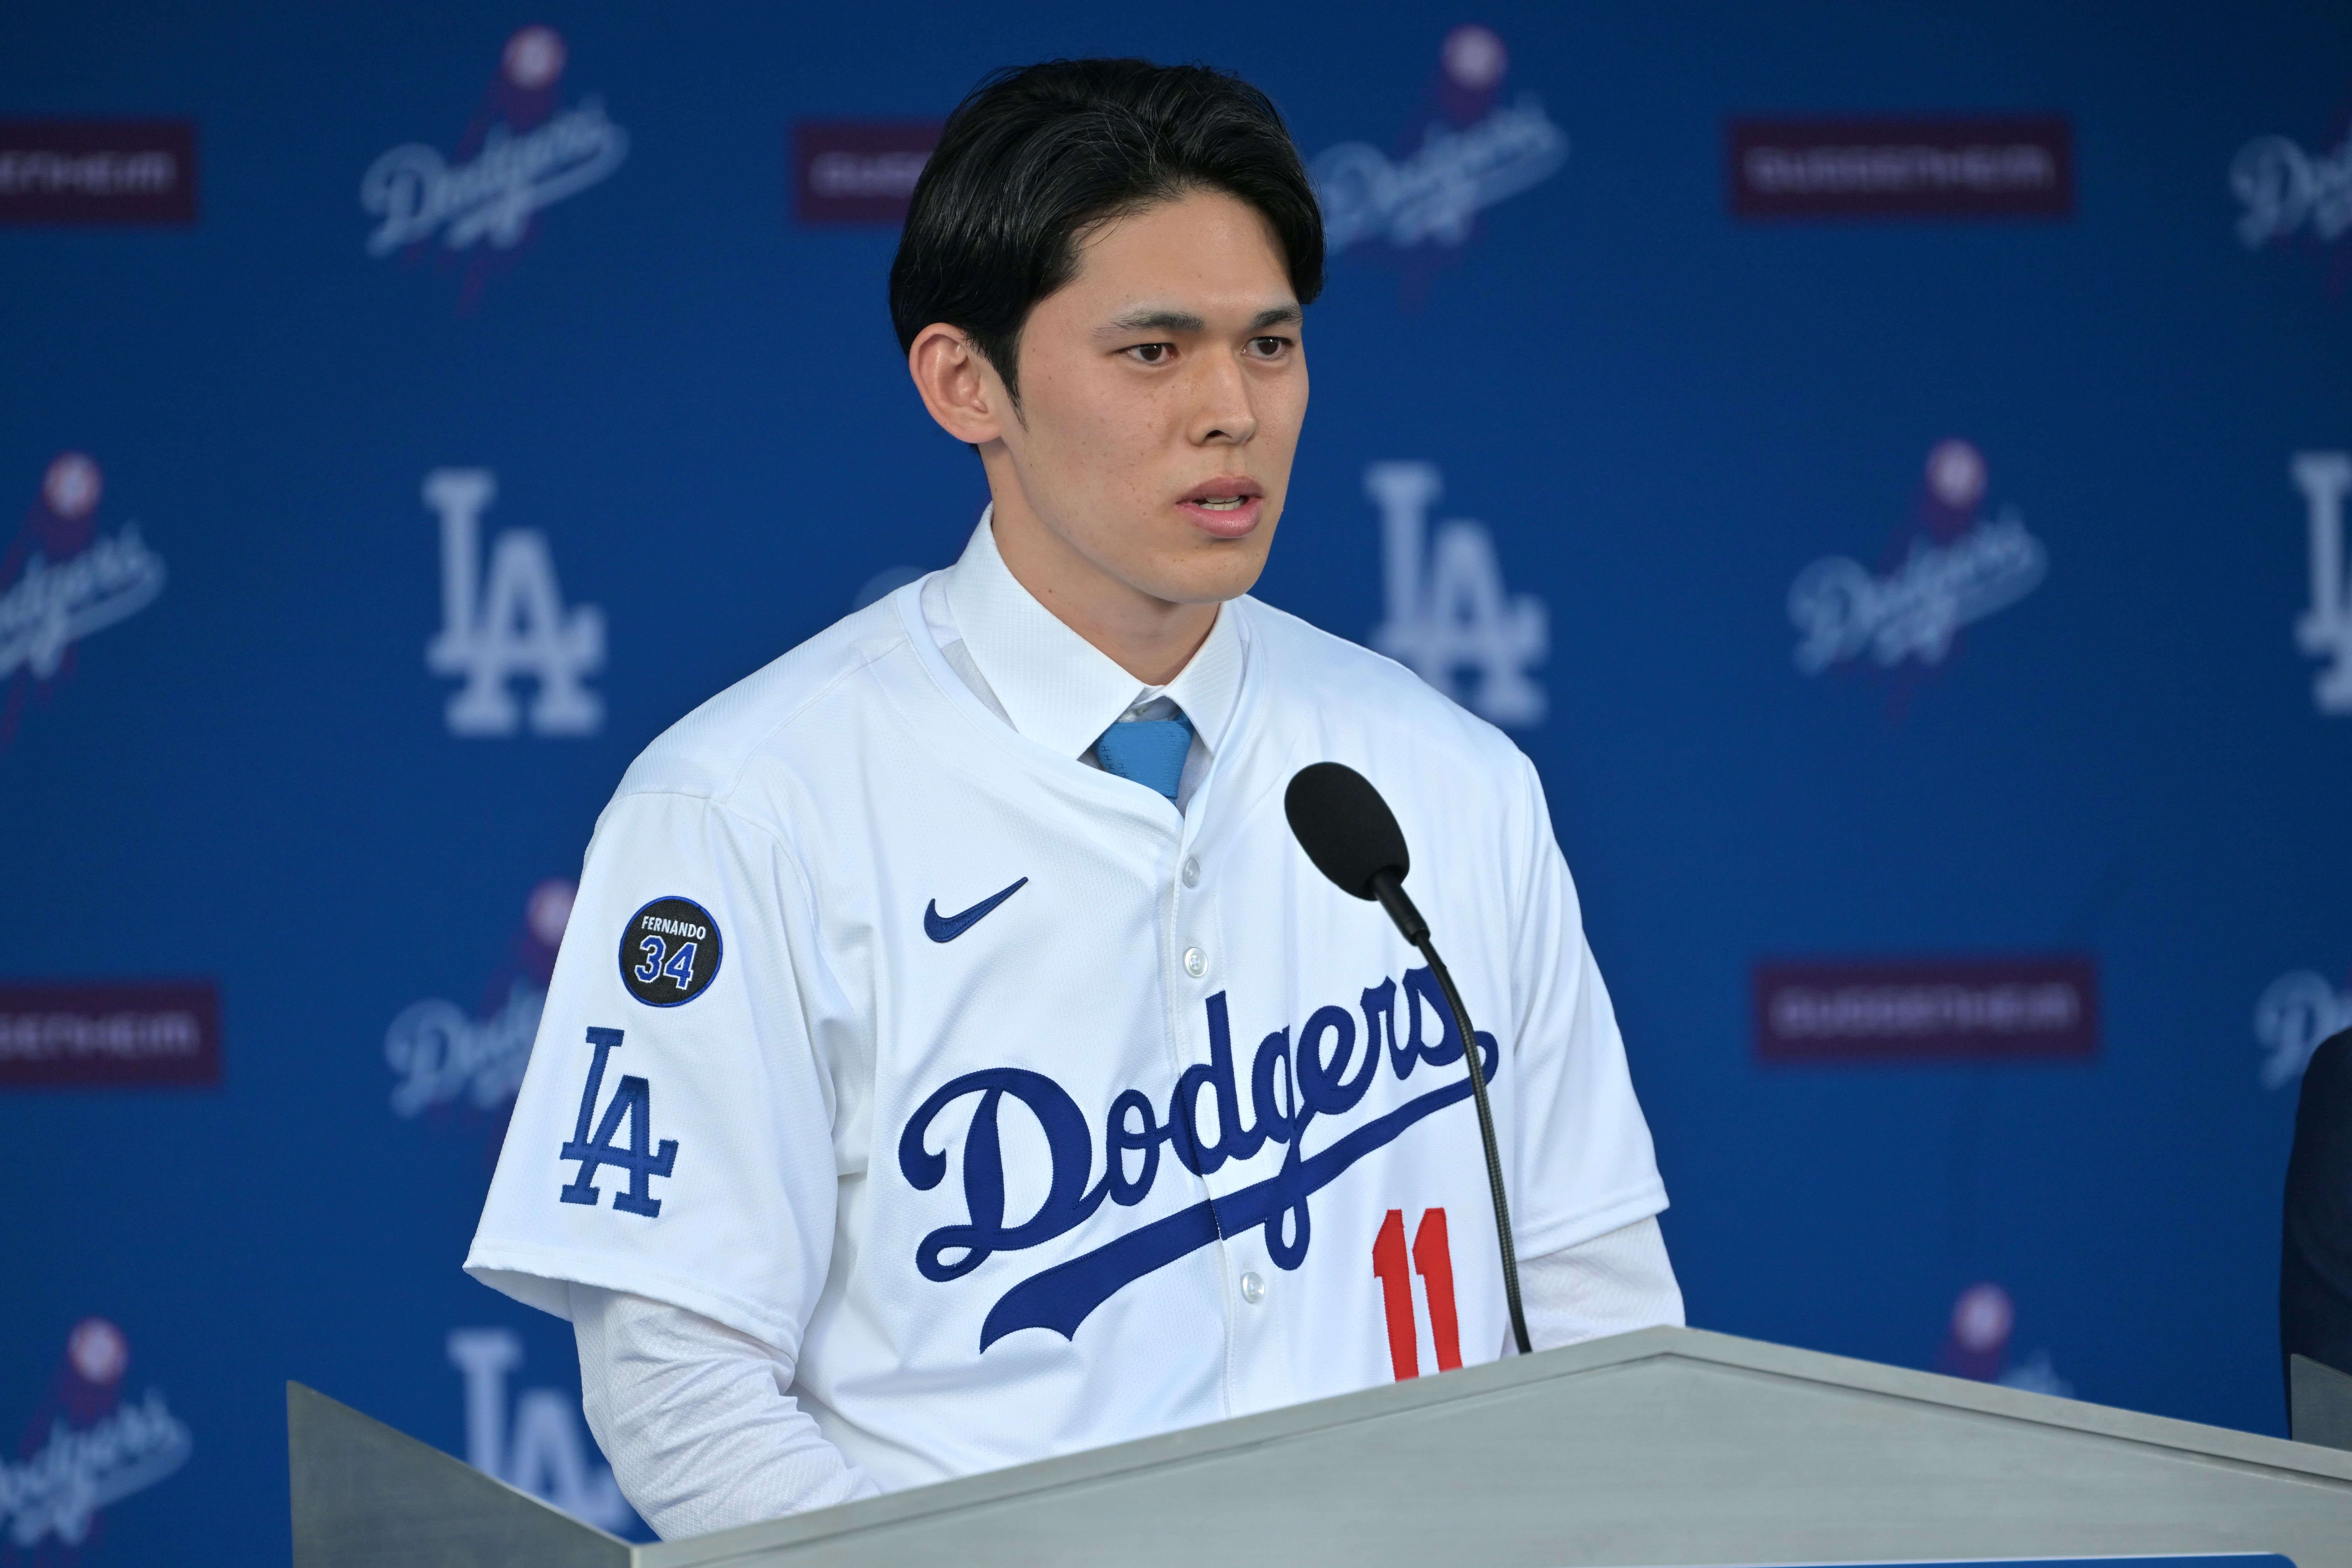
(1025, 1112)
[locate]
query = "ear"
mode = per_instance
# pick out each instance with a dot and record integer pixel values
(958, 384)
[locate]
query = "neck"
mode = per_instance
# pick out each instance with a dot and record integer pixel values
(1149, 638)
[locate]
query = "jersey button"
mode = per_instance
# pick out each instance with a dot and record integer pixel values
(1196, 963)
(1192, 872)
(1252, 1289)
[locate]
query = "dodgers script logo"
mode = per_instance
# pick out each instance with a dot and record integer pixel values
(87, 1448)
(2296, 1014)
(1472, 152)
(1956, 567)
(62, 580)
(516, 624)
(2325, 630)
(446, 1056)
(2284, 189)
(1447, 611)
(520, 154)
(1327, 1075)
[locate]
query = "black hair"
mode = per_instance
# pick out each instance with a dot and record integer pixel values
(1035, 156)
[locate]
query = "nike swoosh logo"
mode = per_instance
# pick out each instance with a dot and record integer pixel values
(947, 927)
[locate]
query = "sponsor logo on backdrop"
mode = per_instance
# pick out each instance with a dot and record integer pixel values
(1448, 613)
(63, 580)
(1465, 151)
(858, 171)
(536, 1443)
(1977, 1345)
(507, 623)
(523, 153)
(447, 1058)
(124, 1034)
(1910, 1009)
(1971, 166)
(2284, 190)
(98, 171)
(1950, 566)
(87, 1447)
(2325, 630)
(2297, 1012)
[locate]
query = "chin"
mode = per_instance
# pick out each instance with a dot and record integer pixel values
(1226, 572)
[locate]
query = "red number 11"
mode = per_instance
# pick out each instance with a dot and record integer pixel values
(1433, 1261)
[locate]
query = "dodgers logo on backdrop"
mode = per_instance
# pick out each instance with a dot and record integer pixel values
(2325, 629)
(522, 154)
(1447, 610)
(1465, 151)
(536, 1444)
(1287, 1093)
(2284, 191)
(62, 581)
(1956, 567)
(515, 624)
(2297, 1012)
(444, 1055)
(1977, 1345)
(87, 1447)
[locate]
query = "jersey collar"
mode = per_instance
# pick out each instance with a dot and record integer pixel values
(1056, 687)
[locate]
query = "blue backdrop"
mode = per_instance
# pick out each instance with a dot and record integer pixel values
(1661, 414)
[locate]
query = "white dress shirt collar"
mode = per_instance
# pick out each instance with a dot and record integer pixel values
(1056, 687)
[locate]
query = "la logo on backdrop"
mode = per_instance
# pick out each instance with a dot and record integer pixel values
(508, 622)
(2325, 629)
(86, 1448)
(1464, 150)
(522, 153)
(1448, 613)
(1948, 568)
(537, 1442)
(63, 580)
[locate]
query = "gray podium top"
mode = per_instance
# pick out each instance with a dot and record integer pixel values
(1668, 1446)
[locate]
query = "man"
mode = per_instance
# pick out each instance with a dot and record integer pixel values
(982, 1071)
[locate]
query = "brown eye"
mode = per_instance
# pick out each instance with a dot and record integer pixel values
(1269, 347)
(1150, 353)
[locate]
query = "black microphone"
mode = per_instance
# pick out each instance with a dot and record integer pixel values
(1352, 837)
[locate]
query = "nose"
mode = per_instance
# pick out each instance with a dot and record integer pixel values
(1223, 413)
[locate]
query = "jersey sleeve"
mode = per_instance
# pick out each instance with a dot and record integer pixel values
(673, 1136)
(1585, 1166)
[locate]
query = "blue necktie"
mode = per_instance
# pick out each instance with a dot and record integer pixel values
(1151, 752)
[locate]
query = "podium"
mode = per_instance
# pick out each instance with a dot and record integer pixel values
(1663, 1447)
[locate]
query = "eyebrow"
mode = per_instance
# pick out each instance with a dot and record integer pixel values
(1163, 320)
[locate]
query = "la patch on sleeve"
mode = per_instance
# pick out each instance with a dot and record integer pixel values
(670, 953)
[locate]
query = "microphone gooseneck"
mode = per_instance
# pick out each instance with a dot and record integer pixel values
(1352, 837)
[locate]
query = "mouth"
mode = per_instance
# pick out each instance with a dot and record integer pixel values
(1226, 507)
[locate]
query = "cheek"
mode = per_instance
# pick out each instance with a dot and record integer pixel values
(1114, 432)
(1283, 412)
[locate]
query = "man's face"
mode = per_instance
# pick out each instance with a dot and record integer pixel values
(1161, 394)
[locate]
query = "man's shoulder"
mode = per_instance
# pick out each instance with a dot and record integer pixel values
(707, 754)
(1339, 683)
